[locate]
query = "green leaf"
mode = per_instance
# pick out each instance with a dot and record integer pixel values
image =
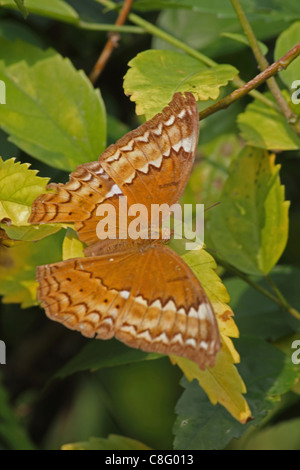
(284, 43)
(113, 442)
(12, 434)
(97, 354)
(243, 40)
(202, 27)
(250, 226)
(18, 265)
(267, 373)
(264, 127)
(154, 76)
(21, 7)
(19, 187)
(52, 111)
(57, 9)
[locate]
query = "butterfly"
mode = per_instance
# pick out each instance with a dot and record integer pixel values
(139, 291)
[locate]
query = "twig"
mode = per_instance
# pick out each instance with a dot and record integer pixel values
(111, 43)
(263, 63)
(155, 31)
(277, 66)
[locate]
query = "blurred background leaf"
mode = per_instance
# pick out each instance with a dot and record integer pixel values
(12, 435)
(113, 442)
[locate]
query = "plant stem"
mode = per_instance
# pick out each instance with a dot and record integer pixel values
(255, 82)
(155, 31)
(280, 296)
(110, 27)
(111, 43)
(278, 299)
(263, 63)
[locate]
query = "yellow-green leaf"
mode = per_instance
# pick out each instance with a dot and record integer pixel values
(113, 442)
(250, 226)
(155, 75)
(19, 187)
(264, 127)
(72, 246)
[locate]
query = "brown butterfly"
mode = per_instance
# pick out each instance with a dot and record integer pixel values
(139, 291)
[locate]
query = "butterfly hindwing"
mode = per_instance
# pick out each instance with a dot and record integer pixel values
(149, 300)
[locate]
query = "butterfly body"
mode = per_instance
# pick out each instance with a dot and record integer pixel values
(137, 290)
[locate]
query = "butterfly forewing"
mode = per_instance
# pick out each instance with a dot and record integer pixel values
(151, 164)
(149, 300)
(77, 201)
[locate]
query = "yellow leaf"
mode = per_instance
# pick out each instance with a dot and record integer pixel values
(72, 246)
(222, 383)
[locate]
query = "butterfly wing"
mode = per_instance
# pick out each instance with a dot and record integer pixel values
(148, 299)
(152, 163)
(77, 201)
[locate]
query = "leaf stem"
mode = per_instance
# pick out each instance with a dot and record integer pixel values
(280, 64)
(110, 27)
(280, 296)
(155, 31)
(263, 64)
(278, 299)
(111, 44)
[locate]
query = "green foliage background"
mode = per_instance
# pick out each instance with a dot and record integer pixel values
(55, 120)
